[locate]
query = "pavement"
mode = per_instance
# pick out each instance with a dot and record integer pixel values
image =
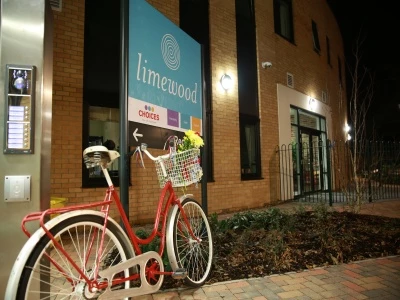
(367, 279)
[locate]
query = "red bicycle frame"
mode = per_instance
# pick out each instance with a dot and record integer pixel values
(167, 199)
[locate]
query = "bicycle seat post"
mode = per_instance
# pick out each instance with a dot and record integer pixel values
(107, 175)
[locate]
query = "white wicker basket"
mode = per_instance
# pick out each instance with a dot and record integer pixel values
(182, 168)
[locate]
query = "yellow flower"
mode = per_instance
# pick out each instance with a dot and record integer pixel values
(190, 140)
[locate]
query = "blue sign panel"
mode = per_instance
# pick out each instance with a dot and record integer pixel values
(164, 80)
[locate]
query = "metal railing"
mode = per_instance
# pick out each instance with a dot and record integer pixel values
(339, 171)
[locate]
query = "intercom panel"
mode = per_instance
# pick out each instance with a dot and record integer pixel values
(19, 110)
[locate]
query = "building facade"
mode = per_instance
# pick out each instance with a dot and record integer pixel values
(286, 60)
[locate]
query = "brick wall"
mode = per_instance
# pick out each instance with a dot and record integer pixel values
(66, 163)
(227, 192)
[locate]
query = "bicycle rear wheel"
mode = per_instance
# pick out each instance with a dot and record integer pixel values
(80, 236)
(194, 255)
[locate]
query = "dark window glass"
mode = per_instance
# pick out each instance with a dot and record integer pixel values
(315, 37)
(328, 51)
(101, 85)
(283, 19)
(194, 20)
(309, 158)
(250, 147)
(246, 58)
(248, 90)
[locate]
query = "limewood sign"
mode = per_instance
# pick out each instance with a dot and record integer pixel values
(164, 80)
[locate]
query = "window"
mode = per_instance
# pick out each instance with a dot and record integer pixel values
(283, 19)
(317, 47)
(194, 20)
(248, 90)
(328, 51)
(101, 85)
(249, 147)
(103, 130)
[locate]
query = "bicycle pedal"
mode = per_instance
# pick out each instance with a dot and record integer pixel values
(180, 273)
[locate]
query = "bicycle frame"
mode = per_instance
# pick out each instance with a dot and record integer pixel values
(166, 201)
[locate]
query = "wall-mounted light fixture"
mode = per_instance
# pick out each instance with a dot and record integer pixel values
(312, 103)
(266, 64)
(347, 130)
(226, 82)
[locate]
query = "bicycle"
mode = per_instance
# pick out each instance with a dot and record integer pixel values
(83, 253)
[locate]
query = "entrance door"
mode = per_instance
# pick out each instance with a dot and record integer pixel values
(311, 160)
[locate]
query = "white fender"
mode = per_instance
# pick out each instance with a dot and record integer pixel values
(30, 244)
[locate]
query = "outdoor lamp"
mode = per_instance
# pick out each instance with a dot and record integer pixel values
(226, 82)
(346, 128)
(312, 103)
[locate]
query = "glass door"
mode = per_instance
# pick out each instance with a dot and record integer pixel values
(311, 160)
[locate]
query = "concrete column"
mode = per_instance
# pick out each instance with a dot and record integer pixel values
(26, 38)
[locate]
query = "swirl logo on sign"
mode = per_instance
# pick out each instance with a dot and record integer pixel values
(170, 51)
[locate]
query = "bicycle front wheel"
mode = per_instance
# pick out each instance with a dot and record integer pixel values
(192, 243)
(49, 275)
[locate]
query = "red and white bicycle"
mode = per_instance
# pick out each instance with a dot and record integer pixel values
(83, 253)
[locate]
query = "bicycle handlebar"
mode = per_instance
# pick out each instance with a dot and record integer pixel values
(180, 167)
(143, 148)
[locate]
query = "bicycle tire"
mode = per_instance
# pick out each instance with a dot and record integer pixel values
(183, 251)
(40, 279)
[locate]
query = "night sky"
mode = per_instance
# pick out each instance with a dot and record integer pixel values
(375, 21)
(377, 24)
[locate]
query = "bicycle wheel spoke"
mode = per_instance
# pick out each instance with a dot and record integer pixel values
(48, 274)
(51, 282)
(192, 242)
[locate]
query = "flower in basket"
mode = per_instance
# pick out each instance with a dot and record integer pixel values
(191, 140)
(191, 171)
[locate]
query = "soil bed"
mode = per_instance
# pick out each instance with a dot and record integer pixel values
(301, 241)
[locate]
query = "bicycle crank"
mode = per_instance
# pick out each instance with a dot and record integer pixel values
(180, 273)
(145, 287)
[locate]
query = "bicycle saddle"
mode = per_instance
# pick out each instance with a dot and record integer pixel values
(99, 156)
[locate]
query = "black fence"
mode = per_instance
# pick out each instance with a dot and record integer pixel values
(339, 171)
